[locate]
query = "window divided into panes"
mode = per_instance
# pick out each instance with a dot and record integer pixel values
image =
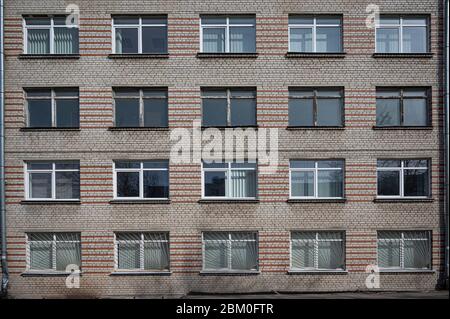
(230, 251)
(147, 251)
(403, 178)
(52, 180)
(53, 108)
(310, 107)
(223, 107)
(316, 179)
(50, 35)
(140, 107)
(53, 251)
(404, 250)
(140, 35)
(403, 107)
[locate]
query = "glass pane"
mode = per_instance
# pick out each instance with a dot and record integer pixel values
(128, 255)
(67, 165)
(242, 39)
(301, 112)
(327, 20)
(416, 182)
(67, 113)
(156, 184)
(127, 184)
(330, 255)
(127, 40)
(326, 92)
(243, 112)
(415, 92)
(388, 92)
(128, 236)
(214, 93)
(389, 163)
(154, 20)
(330, 164)
(416, 163)
(395, 235)
(303, 254)
(67, 253)
(417, 254)
(67, 185)
(329, 235)
(126, 92)
(328, 39)
(216, 236)
(38, 41)
(242, 20)
(216, 255)
(388, 112)
(215, 183)
(214, 112)
(155, 113)
(414, 39)
(294, 19)
(243, 184)
(389, 254)
(388, 183)
(154, 40)
(302, 183)
(41, 255)
(214, 20)
(126, 20)
(301, 40)
(415, 112)
(39, 113)
(40, 185)
(38, 21)
(391, 20)
(415, 21)
(330, 184)
(243, 93)
(127, 112)
(213, 40)
(156, 255)
(156, 164)
(122, 164)
(302, 164)
(243, 255)
(39, 165)
(66, 40)
(329, 112)
(416, 235)
(387, 40)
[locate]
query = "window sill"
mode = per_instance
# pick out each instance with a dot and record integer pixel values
(202, 55)
(228, 201)
(229, 127)
(332, 55)
(141, 273)
(303, 128)
(403, 200)
(50, 129)
(316, 200)
(229, 273)
(403, 55)
(420, 128)
(49, 56)
(139, 56)
(113, 128)
(317, 272)
(139, 201)
(48, 273)
(407, 271)
(50, 202)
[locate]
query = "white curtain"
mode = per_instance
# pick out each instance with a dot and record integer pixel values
(68, 250)
(389, 244)
(66, 40)
(38, 41)
(41, 252)
(416, 250)
(128, 250)
(303, 254)
(156, 252)
(243, 251)
(214, 40)
(243, 184)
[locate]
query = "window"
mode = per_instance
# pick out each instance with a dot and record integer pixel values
(403, 107)
(235, 251)
(140, 35)
(403, 178)
(228, 34)
(57, 108)
(142, 251)
(404, 250)
(229, 180)
(141, 180)
(53, 251)
(310, 107)
(52, 180)
(229, 107)
(315, 34)
(317, 179)
(141, 107)
(402, 34)
(50, 35)
(322, 250)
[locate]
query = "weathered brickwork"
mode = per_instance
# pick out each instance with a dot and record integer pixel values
(95, 145)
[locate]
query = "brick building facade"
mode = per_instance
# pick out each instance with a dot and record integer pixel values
(95, 71)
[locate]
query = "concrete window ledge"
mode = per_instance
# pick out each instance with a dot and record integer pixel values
(317, 272)
(37, 273)
(229, 273)
(300, 55)
(139, 201)
(407, 271)
(403, 55)
(50, 129)
(318, 128)
(204, 55)
(228, 201)
(387, 128)
(50, 202)
(318, 200)
(230, 127)
(403, 200)
(49, 56)
(141, 273)
(119, 129)
(139, 56)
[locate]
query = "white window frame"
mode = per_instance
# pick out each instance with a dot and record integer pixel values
(53, 99)
(313, 27)
(316, 170)
(228, 171)
(402, 240)
(52, 171)
(139, 27)
(229, 249)
(51, 27)
(402, 170)
(53, 247)
(139, 170)
(316, 249)
(399, 27)
(141, 242)
(225, 26)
